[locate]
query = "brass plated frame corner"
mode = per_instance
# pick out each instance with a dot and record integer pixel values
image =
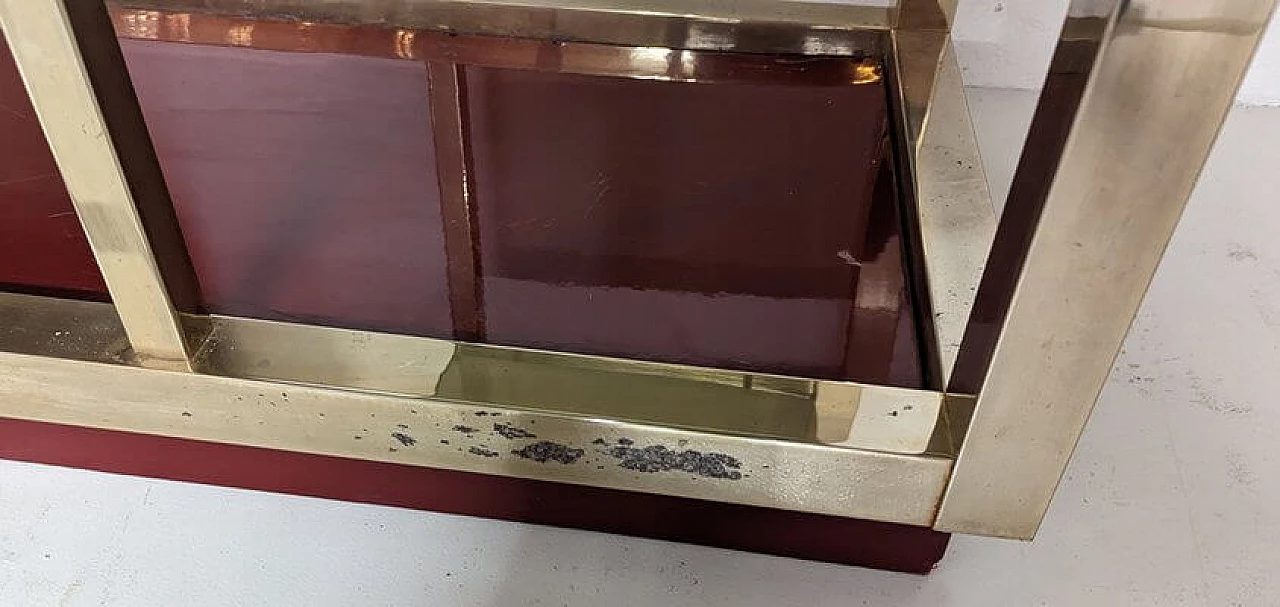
(1136, 94)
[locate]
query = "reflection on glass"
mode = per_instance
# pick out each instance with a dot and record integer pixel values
(42, 246)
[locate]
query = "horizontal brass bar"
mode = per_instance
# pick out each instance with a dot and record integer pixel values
(822, 412)
(654, 63)
(755, 26)
(61, 328)
(825, 447)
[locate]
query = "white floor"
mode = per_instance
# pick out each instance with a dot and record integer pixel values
(1171, 498)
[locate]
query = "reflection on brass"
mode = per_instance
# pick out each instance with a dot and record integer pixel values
(534, 380)
(402, 44)
(751, 26)
(866, 72)
(711, 400)
(61, 328)
(924, 15)
(835, 406)
(144, 25)
(654, 63)
(955, 219)
(945, 189)
(178, 26)
(240, 35)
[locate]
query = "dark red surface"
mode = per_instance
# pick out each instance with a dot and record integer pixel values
(779, 532)
(752, 189)
(304, 183)
(709, 224)
(42, 246)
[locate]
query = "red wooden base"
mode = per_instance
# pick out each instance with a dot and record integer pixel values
(809, 536)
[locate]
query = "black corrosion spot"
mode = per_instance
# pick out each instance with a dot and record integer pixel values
(512, 432)
(482, 451)
(657, 458)
(464, 429)
(547, 451)
(404, 439)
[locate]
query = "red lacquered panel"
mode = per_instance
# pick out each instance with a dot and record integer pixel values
(42, 246)
(304, 183)
(714, 224)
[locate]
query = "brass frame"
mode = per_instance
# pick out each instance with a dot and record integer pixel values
(980, 453)
(761, 26)
(1161, 76)
(434, 422)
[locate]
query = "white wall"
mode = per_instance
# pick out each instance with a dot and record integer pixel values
(1262, 85)
(1007, 43)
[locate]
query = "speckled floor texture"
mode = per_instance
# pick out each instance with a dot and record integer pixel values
(1171, 498)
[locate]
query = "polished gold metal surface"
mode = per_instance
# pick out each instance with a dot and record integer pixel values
(923, 15)
(941, 194)
(949, 8)
(498, 411)
(758, 26)
(955, 219)
(945, 186)
(828, 412)
(45, 48)
(61, 328)
(650, 63)
(755, 471)
(1165, 76)
(917, 58)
